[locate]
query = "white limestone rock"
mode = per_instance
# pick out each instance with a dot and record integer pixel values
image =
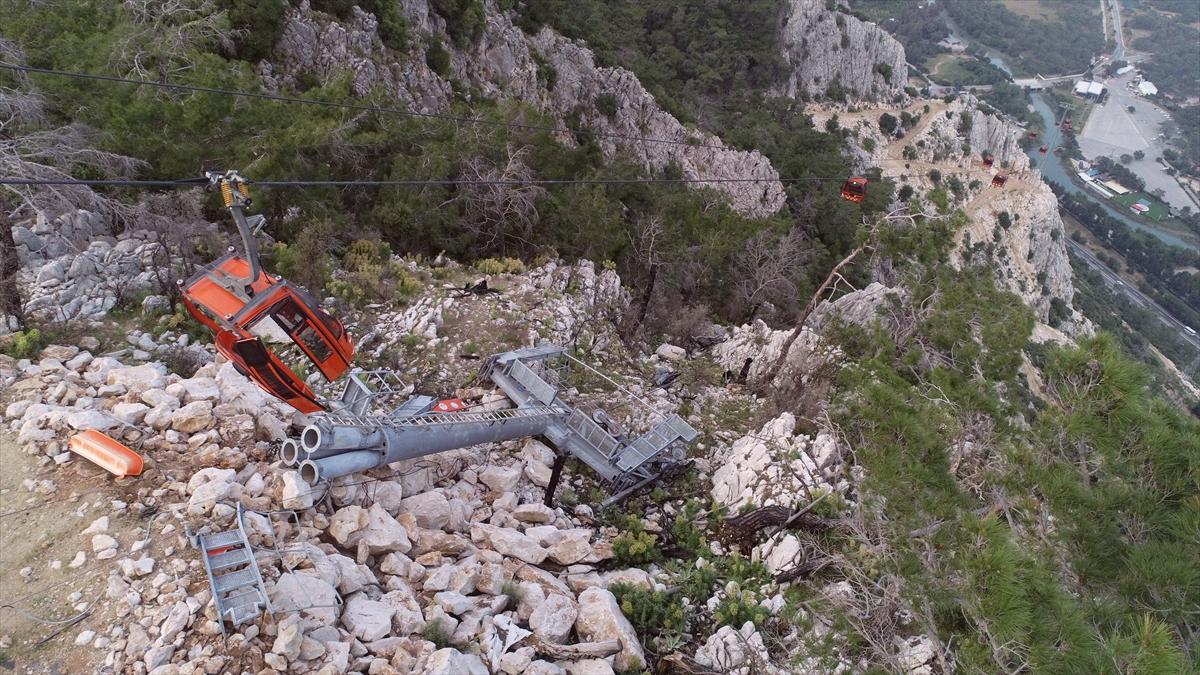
(600, 618)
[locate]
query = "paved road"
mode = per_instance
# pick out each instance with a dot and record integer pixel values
(1137, 297)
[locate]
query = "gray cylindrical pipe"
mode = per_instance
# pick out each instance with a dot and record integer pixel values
(289, 452)
(323, 437)
(407, 442)
(314, 470)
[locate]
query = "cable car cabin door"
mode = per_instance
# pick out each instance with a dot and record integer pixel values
(318, 335)
(252, 359)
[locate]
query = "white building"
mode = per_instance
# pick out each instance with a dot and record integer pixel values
(1124, 69)
(1086, 89)
(1147, 89)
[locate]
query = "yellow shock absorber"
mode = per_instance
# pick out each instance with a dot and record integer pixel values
(242, 188)
(227, 193)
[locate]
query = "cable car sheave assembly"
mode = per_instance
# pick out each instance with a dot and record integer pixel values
(377, 421)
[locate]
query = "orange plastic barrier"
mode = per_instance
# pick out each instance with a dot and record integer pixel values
(106, 453)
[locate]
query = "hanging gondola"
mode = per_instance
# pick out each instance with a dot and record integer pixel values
(240, 303)
(855, 189)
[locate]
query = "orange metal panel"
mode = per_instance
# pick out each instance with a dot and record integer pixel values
(215, 298)
(106, 453)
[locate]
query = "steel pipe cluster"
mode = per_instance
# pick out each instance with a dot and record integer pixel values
(325, 451)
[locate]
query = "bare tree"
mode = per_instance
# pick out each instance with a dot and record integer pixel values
(647, 242)
(499, 205)
(768, 268)
(30, 151)
(166, 33)
(826, 286)
(11, 303)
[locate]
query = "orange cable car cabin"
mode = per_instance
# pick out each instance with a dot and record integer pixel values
(241, 304)
(855, 189)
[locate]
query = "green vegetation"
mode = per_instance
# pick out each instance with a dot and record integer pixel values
(1013, 101)
(435, 631)
(1066, 45)
(673, 49)
(492, 266)
(634, 545)
(956, 71)
(1175, 288)
(1070, 600)
(1157, 210)
(25, 344)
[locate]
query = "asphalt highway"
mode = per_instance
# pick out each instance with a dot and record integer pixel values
(1137, 297)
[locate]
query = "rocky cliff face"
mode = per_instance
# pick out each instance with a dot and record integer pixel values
(962, 132)
(1030, 255)
(547, 71)
(826, 46)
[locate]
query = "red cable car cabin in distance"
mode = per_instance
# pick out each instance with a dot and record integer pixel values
(1044, 149)
(999, 180)
(988, 160)
(217, 298)
(855, 189)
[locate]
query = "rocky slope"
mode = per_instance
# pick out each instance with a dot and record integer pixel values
(552, 74)
(449, 564)
(824, 47)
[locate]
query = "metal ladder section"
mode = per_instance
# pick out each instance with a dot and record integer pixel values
(233, 575)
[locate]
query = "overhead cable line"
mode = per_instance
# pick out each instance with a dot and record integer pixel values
(404, 183)
(359, 107)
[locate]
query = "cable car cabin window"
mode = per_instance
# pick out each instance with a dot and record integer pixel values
(331, 324)
(293, 320)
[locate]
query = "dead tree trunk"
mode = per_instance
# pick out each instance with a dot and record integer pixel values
(834, 274)
(10, 295)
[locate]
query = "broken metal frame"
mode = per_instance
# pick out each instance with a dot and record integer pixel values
(208, 543)
(366, 428)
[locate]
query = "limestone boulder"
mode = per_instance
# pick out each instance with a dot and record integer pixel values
(600, 619)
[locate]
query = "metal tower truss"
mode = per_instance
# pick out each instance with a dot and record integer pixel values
(378, 421)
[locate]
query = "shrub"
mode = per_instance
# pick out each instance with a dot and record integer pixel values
(635, 546)
(365, 253)
(25, 344)
(884, 69)
(500, 266)
(464, 18)
(650, 612)
(512, 590)
(1004, 219)
(436, 633)
(888, 123)
(685, 534)
(738, 607)
(607, 105)
(260, 23)
(437, 58)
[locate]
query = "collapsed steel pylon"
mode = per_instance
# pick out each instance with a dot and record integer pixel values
(357, 436)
